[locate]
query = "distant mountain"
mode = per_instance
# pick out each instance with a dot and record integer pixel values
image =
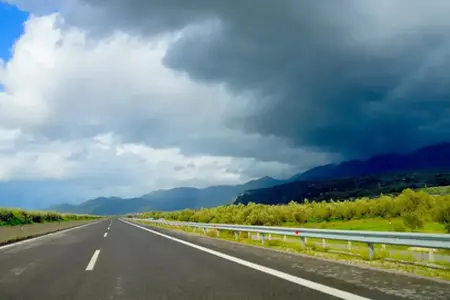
(431, 158)
(356, 178)
(93, 206)
(314, 173)
(343, 188)
(167, 200)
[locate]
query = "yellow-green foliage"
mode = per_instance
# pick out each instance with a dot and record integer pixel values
(20, 217)
(413, 207)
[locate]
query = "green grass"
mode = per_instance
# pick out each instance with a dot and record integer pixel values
(374, 224)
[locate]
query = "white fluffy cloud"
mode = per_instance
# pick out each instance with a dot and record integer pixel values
(108, 117)
(350, 77)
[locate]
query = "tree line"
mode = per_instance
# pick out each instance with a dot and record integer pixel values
(414, 207)
(11, 217)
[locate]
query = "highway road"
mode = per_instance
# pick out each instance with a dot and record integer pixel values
(116, 260)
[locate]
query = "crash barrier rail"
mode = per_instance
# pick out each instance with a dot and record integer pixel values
(422, 240)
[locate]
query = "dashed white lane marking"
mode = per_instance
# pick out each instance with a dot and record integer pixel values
(294, 279)
(93, 260)
(105, 235)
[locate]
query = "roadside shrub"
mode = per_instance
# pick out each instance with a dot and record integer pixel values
(443, 215)
(412, 221)
(414, 208)
(12, 217)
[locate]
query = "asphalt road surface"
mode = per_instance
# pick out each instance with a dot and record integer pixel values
(116, 260)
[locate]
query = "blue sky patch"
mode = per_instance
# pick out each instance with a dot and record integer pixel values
(11, 28)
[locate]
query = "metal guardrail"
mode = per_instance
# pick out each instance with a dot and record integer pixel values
(424, 240)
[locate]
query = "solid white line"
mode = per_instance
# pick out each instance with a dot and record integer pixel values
(46, 235)
(93, 260)
(105, 235)
(297, 280)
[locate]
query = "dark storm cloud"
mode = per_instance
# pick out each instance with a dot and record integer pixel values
(323, 85)
(349, 77)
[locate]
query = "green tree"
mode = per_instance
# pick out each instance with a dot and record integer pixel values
(412, 221)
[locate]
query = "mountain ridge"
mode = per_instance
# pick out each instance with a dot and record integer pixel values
(434, 158)
(387, 173)
(430, 157)
(168, 199)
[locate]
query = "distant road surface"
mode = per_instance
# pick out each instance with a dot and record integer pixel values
(113, 260)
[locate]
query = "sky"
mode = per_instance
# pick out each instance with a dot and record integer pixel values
(11, 22)
(123, 97)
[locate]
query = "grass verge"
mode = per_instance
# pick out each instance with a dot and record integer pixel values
(12, 234)
(374, 224)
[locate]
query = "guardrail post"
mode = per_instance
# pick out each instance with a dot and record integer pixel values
(235, 235)
(303, 242)
(249, 234)
(270, 236)
(430, 255)
(204, 231)
(194, 229)
(349, 246)
(262, 238)
(257, 236)
(284, 238)
(383, 246)
(371, 251)
(324, 243)
(218, 232)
